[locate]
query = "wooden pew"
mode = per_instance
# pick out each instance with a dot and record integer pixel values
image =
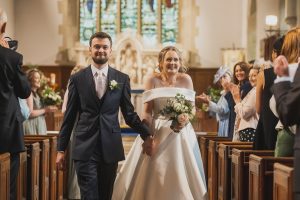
(44, 164)
(203, 141)
(212, 167)
(33, 169)
(4, 176)
(52, 163)
(240, 171)
(54, 120)
(60, 178)
(261, 175)
(283, 182)
(22, 177)
(224, 167)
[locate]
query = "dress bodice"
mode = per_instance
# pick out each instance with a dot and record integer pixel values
(161, 95)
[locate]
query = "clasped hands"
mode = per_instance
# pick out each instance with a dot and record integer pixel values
(149, 145)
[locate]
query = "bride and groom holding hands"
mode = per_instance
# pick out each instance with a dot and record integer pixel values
(162, 164)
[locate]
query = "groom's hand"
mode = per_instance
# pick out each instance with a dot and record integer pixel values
(148, 146)
(60, 161)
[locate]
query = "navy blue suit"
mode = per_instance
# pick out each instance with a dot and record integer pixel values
(97, 145)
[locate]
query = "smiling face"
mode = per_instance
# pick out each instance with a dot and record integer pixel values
(239, 73)
(35, 80)
(170, 63)
(253, 77)
(100, 50)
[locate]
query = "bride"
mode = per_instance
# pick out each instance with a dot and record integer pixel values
(174, 170)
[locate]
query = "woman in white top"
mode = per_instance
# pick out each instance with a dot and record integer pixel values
(245, 109)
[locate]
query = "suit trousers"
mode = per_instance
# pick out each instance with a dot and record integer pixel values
(95, 177)
(14, 169)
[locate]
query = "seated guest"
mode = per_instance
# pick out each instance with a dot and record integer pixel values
(222, 108)
(36, 124)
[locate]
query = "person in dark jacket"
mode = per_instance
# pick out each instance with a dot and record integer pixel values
(13, 84)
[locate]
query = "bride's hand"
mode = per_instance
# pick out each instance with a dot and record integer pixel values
(149, 146)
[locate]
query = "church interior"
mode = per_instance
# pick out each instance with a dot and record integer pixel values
(53, 36)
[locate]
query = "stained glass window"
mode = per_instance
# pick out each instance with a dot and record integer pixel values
(108, 17)
(88, 19)
(149, 21)
(156, 21)
(169, 21)
(129, 15)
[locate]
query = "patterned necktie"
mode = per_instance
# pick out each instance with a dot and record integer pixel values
(100, 84)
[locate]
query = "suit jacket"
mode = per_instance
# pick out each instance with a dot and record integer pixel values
(287, 97)
(13, 84)
(98, 118)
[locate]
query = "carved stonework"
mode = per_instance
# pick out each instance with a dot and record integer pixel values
(130, 57)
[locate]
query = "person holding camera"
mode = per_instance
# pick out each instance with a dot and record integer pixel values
(13, 84)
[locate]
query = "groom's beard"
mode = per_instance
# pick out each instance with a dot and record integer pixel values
(100, 60)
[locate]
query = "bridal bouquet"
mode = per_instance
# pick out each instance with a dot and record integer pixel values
(50, 97)
(179, 110)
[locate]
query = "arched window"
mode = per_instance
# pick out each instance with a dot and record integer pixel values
(156, 21)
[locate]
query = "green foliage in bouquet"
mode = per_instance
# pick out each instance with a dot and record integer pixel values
(50, 97)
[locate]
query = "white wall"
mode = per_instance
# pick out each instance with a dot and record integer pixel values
(8, 6)
(221, 24)
(264, 8)
(37, 29)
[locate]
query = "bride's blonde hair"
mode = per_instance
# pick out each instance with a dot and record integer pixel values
(161, 57)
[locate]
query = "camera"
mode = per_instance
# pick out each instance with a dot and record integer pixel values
(13, 44)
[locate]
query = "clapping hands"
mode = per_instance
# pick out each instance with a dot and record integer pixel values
(235, 91)
(203, 98)
(281, 66)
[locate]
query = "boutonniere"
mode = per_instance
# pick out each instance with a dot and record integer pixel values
(113, 85)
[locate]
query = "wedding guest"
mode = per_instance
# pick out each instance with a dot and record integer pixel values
(223, 107)
(286, 90)
(13, 84)
(242, 85)
(266, 133)
(286, 135)
(245, 109)
(36, 124)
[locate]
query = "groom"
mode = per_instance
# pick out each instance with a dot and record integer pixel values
(96, 93)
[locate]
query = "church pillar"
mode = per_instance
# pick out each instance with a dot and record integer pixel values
(291, 12)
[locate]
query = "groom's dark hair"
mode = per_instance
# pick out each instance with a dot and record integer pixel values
(101, 35)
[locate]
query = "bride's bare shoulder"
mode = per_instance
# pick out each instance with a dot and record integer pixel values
(184, 77)
(185, 80)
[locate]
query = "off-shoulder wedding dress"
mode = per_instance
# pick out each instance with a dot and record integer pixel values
(175, 171)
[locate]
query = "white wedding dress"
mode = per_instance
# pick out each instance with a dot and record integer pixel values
(175, 171)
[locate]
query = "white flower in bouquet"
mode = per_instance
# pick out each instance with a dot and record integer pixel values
(50, 97)
(179, 110)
